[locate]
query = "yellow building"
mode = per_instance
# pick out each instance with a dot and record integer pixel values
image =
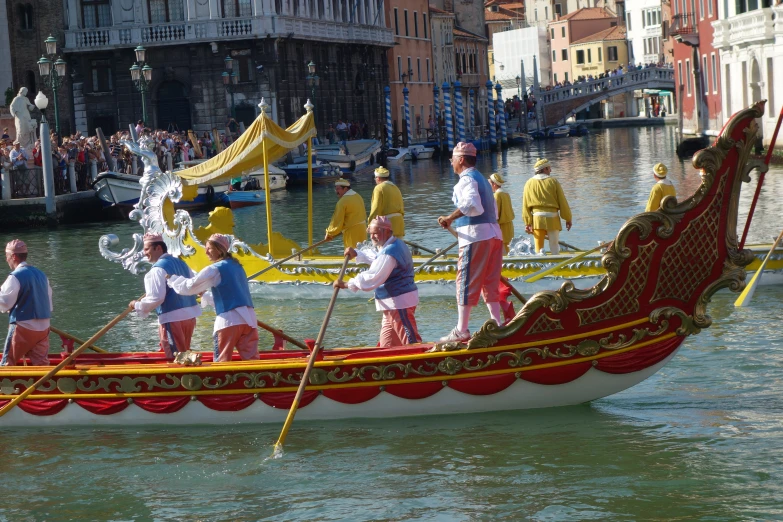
(598, 53)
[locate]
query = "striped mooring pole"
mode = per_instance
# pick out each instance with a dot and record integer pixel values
(493, 140)
(449, 126)
(472, 120)
(408, 135)
(460, 110)
(436, 99)
(502, 112)
(389, 137)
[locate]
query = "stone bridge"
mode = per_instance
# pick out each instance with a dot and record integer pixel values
(558, 104)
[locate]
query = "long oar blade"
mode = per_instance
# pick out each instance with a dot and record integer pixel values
(546, 271)
(747, 294)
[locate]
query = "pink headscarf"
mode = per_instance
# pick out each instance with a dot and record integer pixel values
(149, 237)
(16, 246)
(464, 149)
(221, 240)
(381, 222)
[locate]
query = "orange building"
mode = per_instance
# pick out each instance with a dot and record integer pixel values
(570, 28)
(410, 63)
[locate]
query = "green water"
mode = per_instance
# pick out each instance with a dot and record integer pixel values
(700, 440)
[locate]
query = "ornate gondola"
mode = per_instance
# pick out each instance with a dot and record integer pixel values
(564, 347)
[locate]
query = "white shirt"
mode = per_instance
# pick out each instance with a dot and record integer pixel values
(155, 294)
(9, 293)
(467, 199)
(204, 280)
(381, 266)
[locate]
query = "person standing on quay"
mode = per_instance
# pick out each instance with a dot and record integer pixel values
(387, 201)
(350, 215)
(176, 314)
(27, 296)
(543, 205)
(480, 241)
(505, 209)
(391, 276)
(662, 188)
(236, 325)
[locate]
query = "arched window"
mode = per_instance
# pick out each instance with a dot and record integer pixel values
(25, 13)
(234, 8)
(162, 11)
(96, 13)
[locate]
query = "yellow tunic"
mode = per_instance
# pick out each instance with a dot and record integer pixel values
(544, 194)
(387, 200)
(350, 218)
(658, 192)
(505, 215)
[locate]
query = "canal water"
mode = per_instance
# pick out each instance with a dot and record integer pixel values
(701, 439)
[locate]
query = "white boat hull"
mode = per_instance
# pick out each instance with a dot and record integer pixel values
(521, 395)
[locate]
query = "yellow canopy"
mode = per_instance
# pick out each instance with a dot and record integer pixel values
(247, 152)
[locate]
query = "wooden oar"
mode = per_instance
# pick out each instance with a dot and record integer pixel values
(546, 271)
(75, 339)
(513, 290)
(310, 362)
(278, 263)
(279, 333)
(436, 256)
(65, 362)
(747, 294)
(572, 247)
(416, 245)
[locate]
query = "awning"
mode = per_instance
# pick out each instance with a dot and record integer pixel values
(651, 91)
(247, 151)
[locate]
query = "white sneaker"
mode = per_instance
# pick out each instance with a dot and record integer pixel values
(455, 336)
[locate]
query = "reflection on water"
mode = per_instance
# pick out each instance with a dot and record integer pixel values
(701, 439)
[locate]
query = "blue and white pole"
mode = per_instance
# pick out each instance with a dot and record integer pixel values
(436, 99)
(493, 140)
(502, 112)
(408, 135)
(389, 136)
(449, 126)
(472, 119)
(460, 110)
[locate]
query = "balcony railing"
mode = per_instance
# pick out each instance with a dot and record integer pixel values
(684, 24)
(224, 29)
(747, 28)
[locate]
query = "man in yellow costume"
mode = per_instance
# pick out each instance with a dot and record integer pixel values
(350, 215)
(505, 210)
(662, 188)
(543, 205)
(387, 201)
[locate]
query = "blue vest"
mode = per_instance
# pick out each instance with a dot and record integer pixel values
(33, 299)
(487, 201)
(174, 301)
(233, 290)
(400, 281)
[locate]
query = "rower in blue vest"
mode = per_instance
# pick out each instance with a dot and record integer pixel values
(26, 294)
(176, 314)
(391, 276)
(236, 325)
(480, 241)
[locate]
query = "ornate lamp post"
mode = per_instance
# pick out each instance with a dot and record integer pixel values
(230, 80)
(53, 79)
(141, 74)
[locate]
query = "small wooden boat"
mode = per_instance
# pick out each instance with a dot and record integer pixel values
(245, 198)
(564, 347)
(397, 155)
(123, 190)
(418, 152)
(349, 156)
(559, 132)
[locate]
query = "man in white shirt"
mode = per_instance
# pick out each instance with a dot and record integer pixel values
(27, 296)
(236, 325)
(18, 157)
(391, 276)
(176, 314)
(480, 241)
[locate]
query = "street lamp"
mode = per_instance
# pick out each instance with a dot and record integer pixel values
(141, 74)
(312, 80)
(519, 83)
(405, 77)
(54, 79)
(229, 82)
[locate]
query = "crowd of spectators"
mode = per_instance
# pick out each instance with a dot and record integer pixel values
(609, 73)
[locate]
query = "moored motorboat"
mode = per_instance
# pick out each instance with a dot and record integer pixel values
(564, 347)
(322, 172)
(349, 156)
(559, 132)
(123, 190)
(398, 155)
(245, 198)
(418, 152)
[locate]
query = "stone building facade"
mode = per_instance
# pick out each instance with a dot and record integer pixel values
(270, 42)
